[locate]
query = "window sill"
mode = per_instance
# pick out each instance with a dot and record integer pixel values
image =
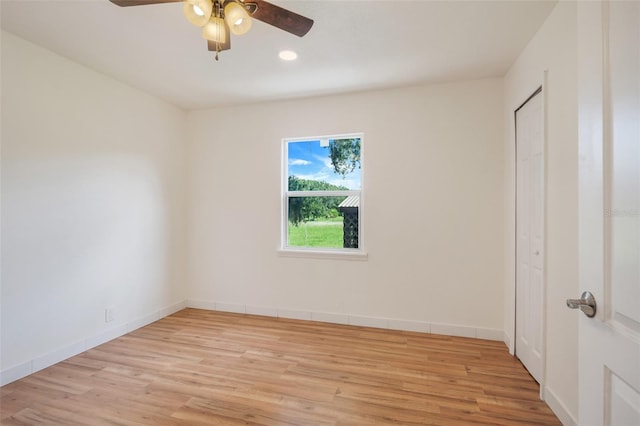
(323, 254)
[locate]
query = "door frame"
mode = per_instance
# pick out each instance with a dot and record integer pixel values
(510, 328)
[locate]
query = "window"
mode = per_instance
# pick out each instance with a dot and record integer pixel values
(322, 201)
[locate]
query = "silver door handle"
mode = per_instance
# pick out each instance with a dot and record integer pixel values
(586, 303)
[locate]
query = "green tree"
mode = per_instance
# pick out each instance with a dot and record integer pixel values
(344, 155)
(297, 184)
(304, 209)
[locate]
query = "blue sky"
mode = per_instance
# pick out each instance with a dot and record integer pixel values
(309, 160)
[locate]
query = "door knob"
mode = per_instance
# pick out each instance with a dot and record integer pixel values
(586, 303)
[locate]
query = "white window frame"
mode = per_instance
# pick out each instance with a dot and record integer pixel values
(319, 252)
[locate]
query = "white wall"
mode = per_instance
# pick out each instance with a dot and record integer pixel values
(554, 49)
(93, 203)
(433, 217)
(94, 178)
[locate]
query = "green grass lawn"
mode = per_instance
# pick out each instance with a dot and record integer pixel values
(319, 233)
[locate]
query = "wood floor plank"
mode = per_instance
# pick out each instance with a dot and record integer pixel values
(200, 367)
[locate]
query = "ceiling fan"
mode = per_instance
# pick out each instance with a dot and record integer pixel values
(219, 18)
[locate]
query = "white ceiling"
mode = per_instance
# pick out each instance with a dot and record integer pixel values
(353, 46)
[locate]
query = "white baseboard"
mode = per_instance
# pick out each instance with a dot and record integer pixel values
(506, 338)
(453, 330)
(17, 372)
(294, 314)
(231, 307)
(201, 304)
(558, 408)
(105, 336)
(357, 320)
(330, 318)
(489, 334)
(261, 310)
(365, 321)
(409, 325)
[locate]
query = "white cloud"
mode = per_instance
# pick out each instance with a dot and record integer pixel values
(325, 160)
(326, 172)
(315, 176)
(298, 162)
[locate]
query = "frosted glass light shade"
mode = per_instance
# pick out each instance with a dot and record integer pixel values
(237, 18)
(197, 12)
(290, 55)
(214, 30)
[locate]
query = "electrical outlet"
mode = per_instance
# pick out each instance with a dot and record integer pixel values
(108, 314)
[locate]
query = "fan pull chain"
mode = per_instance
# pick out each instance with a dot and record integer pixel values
(219, 11)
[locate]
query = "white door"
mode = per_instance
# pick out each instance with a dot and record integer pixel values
(609, 211)
(530, 234)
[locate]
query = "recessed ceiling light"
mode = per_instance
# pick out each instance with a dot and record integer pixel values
(288, 55)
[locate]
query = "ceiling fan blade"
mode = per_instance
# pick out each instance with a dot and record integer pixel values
(125, 3)
(212, 45)
(280, 18)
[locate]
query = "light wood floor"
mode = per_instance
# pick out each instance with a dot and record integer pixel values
(210, 368)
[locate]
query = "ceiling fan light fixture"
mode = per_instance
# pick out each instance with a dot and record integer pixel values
(237, 18)
(197, 12)
(221, 18)
(214, 30)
